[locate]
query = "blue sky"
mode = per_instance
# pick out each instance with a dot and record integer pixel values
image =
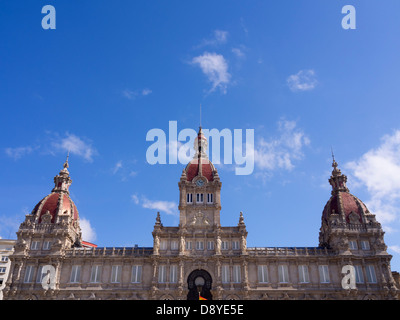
(112, 71)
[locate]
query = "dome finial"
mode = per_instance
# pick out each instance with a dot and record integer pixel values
(66, 165)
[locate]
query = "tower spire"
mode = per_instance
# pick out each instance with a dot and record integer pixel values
(200, 115)
(62, 181)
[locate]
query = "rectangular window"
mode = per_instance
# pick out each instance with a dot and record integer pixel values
(210, 198)
(188, 245)
(163, 245)
(199, 198)
(46, 245)
(235, 245)
(35, 245)
(323, 274)
(116, 274)
(262, 274)
(29, 270)
(225, 274)
(353, 245)
(199, 245)
(174, 245)
(303, 274)
(75, 274)
(173, 273)
(162, 276)
(40, 275)
(236, 274)
(359, 274)
(3, 270)
(95, 274)
(371, 276)
(365, 245)
(189, 198)
(210, 245)
(136, 274)
(224, 245)
(283, 273)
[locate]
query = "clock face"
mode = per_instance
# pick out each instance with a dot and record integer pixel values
(199, 183)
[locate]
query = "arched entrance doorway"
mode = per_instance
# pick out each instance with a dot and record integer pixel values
(199, 281)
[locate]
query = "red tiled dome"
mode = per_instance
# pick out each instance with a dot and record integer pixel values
(192, 169)
(55, 203)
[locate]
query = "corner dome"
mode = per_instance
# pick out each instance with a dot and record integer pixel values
(342, 202)
(58, 202)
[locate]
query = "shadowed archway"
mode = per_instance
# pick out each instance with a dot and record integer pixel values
(199, 280)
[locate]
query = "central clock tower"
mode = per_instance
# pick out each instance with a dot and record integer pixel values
(200, 189)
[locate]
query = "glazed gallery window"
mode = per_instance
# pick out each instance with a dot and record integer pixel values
(323, 274)
(236, 274)
(162, 274)
(283, 273)
(365, 245)
(35, 245)
(303, 274)
(174, 245)
(136, 274)
(173, 273)
(75, 274)
(353, 245)
(262, 274)
(359, 274)
(210, 245)
(28, 278)
(371, 276)
(46, 245)
(225, 274)
(95, 274)
(235, 245)
(116, 274)
(199, 245)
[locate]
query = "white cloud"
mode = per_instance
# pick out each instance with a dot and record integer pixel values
(88, 233)
(133, 94)
(238, 52)
(219, 37)
(215, 67)
(304, 80)
(281, 151)
(378, 170)
(146, 92)
(169, 207)
(75, 145)
(395, 248)
(117, 166)
(135, 198)
(19, 152)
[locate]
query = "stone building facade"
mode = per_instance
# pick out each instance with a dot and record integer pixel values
(199, 257)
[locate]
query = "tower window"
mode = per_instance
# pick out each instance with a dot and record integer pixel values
(199, 198)
(210, 198)
(199, 245)
(35, 245)
(235, 245)
(189, 198)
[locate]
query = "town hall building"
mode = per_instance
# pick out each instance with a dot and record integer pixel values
(199, 257)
